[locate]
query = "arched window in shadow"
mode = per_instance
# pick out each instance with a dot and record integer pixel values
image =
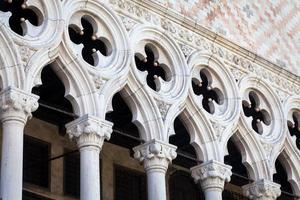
(186, 155)
(125, 133)
(239, 176)
(181, 184)
(281, 178)
(182, 187)
(53, 106)
(128, 184)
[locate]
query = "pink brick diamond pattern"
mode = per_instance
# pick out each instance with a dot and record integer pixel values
(269, 28)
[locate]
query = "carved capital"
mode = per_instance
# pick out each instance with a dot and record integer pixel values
(155, 154)
(89, 131)
(17, 104)
(211, 174)
(262, 190)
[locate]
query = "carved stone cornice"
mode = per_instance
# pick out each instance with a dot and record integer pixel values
(155, 155)
(89, 131)
(17, 104)
(190, 34)
(262, 190)
(211, 174)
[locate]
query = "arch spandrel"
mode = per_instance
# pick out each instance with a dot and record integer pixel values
(79, 87)
(12, 72)
(145, 113)
(253, 156)
(166, 92)
(219, 80)
(85, 84)
(201, 133)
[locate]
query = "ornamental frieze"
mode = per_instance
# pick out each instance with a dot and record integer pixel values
(194, 36)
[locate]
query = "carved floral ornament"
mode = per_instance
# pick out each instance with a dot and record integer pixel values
(17, 103)
(91, 42)
(159, 64)
(262, 189)
(31, 23)
(95, 39)
(214, 91)
(260, 116)
(210, 96)
(89, 130)
(262, 111)
(155, 153)
(257, 111)
(25, 17)
(211, 174)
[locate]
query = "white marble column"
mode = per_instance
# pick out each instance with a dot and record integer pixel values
(212, 176)
(16, 108)
(156, 157)
(262, 190)
(89, 133)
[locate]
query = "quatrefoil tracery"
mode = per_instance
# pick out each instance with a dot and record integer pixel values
(294, 127)
(210, 94)
(258, 115)
(154, 68)
(20, 12)
(91, 43)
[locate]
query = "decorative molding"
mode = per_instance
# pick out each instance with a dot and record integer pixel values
(210, 43)
(219, 129)
(128, 23)
(186, 50)
(99, 82)
(163, 108)
(155, 154)
(268, 149)
(282, 95)
(89, 131)
(25, 53)
(262, 190)
(17, 104)
(237, 74)
(211, 174)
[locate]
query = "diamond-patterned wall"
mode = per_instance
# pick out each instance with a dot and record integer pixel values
(270, 28)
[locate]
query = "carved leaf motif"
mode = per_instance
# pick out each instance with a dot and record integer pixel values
(163, 108)
(186, 50)
(219, 128)
(268, 149)
(128, 23)
(99, 82)
(25, 53)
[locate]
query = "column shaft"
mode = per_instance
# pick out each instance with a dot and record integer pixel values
(89, 173)
(156, 156)
(213, 194)
(89, 133)
(12, 160)
(16, 107)
(156, 184)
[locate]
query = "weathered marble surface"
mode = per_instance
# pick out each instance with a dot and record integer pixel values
(269, 28)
